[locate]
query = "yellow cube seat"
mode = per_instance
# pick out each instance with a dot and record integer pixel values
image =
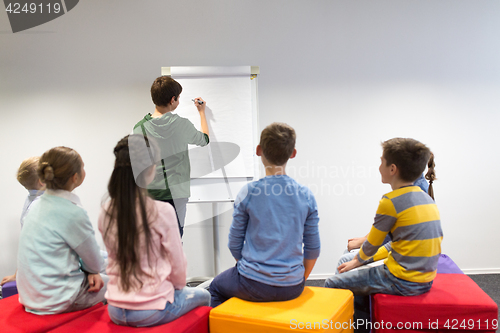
(315, 310)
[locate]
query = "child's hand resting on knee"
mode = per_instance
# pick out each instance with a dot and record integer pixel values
(8, 278)
(347, 266)
(355, 243)
(95, 283)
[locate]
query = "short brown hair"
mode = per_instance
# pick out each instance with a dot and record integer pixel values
(409, 155)
(57, 166)
(27, 174)
(277, 142)
(163, 89)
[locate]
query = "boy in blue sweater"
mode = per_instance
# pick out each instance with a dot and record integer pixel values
(272, 218)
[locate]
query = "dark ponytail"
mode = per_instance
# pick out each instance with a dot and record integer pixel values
(126, 197)
(431, 174)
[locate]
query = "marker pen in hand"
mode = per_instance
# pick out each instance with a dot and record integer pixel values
(199, 102)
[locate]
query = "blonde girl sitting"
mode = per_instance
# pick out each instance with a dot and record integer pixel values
(58, 258)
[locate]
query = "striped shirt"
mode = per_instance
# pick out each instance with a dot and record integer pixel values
(411, 218)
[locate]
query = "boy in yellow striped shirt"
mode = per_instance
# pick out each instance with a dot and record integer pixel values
(411, 219)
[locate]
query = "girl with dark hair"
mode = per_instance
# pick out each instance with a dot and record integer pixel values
(147, 266)
(431, 175)
(58, 258)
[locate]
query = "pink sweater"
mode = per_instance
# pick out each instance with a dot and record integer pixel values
(168, 263)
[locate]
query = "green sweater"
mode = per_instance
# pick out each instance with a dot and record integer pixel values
(173, 134)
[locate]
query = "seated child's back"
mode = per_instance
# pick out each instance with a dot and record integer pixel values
(411, 219)
(147, 266)
(275, 217)
(272, 218)
(58, 258)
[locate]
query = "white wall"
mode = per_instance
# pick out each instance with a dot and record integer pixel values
(345, 74)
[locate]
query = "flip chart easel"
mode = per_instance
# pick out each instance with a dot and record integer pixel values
(222, 168)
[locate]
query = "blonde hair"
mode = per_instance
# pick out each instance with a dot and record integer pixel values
(27, 174)
(57, 166)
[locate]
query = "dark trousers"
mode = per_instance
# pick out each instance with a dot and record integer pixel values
(171, 201)
(231, 283)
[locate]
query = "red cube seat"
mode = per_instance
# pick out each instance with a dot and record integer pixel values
(14, 319)
(454, 303)
(195, 321)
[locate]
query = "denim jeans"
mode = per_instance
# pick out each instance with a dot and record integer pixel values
(375, 280)
(231, 283)
(347, 256)
(185, 300)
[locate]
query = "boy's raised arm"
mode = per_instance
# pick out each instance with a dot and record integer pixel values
(203, 118)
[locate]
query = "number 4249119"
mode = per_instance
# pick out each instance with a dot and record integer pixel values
(454, 324)
(32, 8)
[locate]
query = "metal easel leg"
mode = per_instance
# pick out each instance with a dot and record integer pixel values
(215, 227)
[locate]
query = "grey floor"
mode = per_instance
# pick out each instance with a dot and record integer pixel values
(490, 283)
